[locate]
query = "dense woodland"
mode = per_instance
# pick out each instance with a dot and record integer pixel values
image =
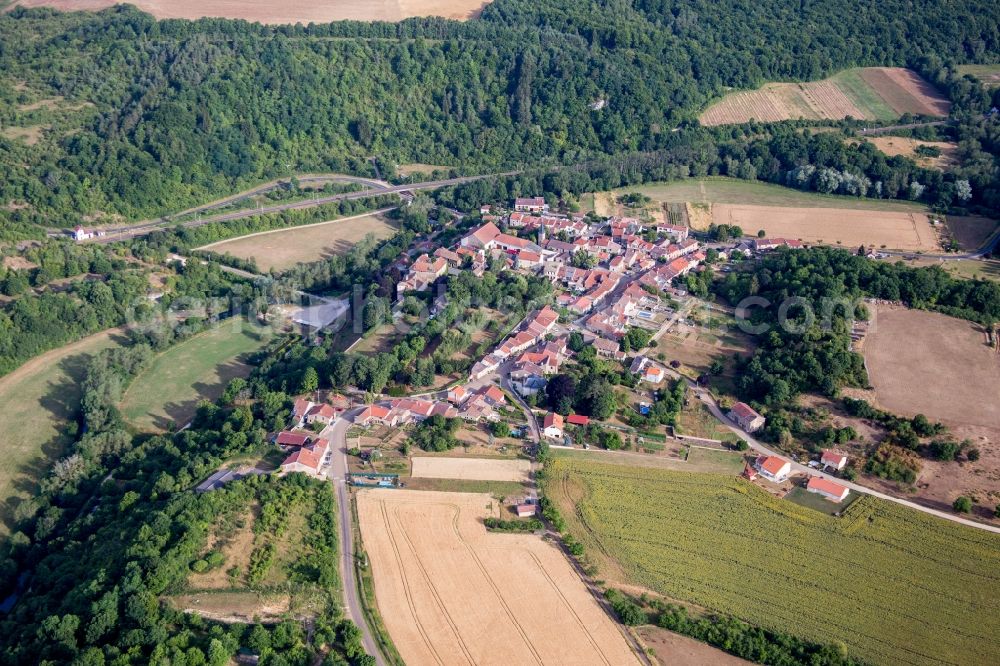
(159, 115)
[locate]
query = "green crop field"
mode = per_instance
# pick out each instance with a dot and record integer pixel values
(896, 586)
(167, 393)
(39, 400)
(732, 191)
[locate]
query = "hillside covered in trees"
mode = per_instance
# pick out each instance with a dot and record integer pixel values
(135, 117)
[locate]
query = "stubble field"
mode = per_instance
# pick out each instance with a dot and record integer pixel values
(939, 366)
(830, 226)
(870, 93)
(451, 593)
(471, 469)
(894, 585)
(293, 11)
(282, 249)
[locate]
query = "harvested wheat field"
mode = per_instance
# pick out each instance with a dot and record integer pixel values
(283, 248)
(927, 363)
(832, 226)
(451, 593)
(870, 93)
(472, 469)
(275, 12)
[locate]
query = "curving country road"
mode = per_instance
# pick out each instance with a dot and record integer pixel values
(336, 434)
(115, 234)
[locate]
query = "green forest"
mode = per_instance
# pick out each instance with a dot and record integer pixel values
(138, 118)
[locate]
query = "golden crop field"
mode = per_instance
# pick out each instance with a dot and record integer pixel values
(896, 586)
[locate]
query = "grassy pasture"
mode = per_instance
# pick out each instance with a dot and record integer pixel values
(988, 74)
(894, 585)
(167, 393)
(39, 399)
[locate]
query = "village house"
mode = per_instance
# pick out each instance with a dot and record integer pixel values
(376, 414)
(828, 489)
(774, 468)
(531, 205)
(321, 414)
(833, 460)
(308, 459)
(746, 417)
(766, 244)
(457, 395)
(648, 370)
(552, 425)
(607, 349)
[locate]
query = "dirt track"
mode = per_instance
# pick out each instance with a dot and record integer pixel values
(451, 593)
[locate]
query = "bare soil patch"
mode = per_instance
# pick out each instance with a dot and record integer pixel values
(831, 226)
(284, 248)
(672, 649)
(478, 469)
(244, 607)
(906, 146)
(18, 263)
(419, 167)
(29, 135)
(291, 11)
(450, 592)
(939, 366)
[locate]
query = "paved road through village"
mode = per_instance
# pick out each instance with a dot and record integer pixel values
(336, 434)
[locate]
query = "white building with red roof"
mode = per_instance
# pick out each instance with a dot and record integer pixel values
(531, 205)
(828, 489)
(774, 468)
(833, 459)
(552, 425)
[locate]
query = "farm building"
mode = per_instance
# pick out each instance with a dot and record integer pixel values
(552, 425)
(746, 417)
(833, 460)
(577, 419)
(828, 489)
(526, 510)
(774, 468)
(287, 438)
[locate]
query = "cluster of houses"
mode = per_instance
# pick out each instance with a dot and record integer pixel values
(472, 406)
(307, 453)
(777, 470)
(530, 332)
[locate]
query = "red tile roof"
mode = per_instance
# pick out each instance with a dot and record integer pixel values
(578, 419)
(286, 438)
(773, 464)
(819, 484)
(744, 411)
(552, 419)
